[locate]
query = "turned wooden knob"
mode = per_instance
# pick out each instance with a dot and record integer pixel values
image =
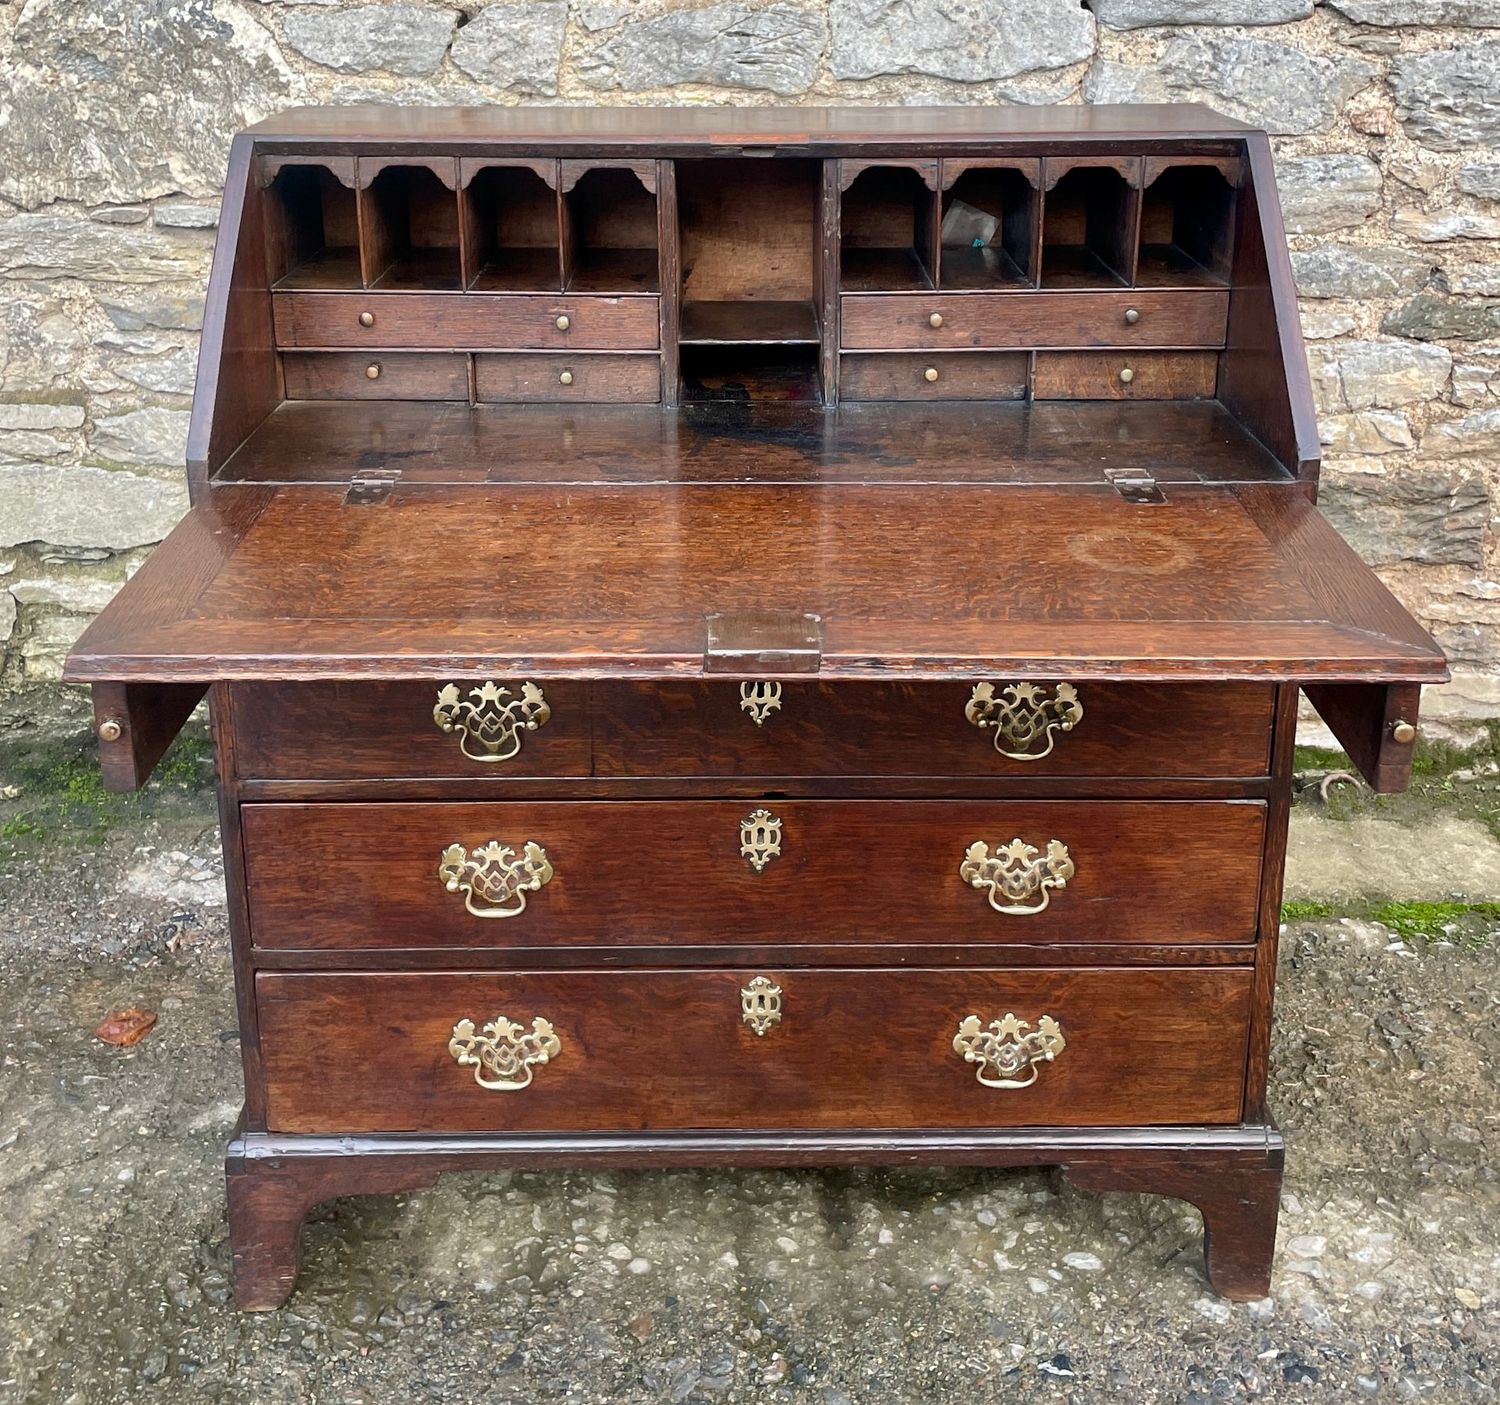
(566, 378)
(110, 730)
(372, 371)
(1403, 732)
(562, 322)
(366, 319)
(1132, 316)
(1126, 376)
(930, 374)
(936, 320)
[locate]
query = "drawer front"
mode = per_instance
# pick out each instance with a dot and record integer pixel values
(379, 731)
(971, 375)
(1206, 730)
(355, 375)
(1121, 375)
(1024, 320)
(467, 320)
(701, 873)
(625, 1051)
(618, 380)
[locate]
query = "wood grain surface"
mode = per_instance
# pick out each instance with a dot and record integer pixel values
(646, 873)
(648, 1050)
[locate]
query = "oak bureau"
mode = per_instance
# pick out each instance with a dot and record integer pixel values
(753, 637)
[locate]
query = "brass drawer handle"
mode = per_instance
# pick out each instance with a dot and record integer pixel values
(760, 1005)
(494, 877)
(372, 371)
(760, 700)
(491, 716)
(1126, 376)
(566, 378)
(503, 1054)
(1025, 716)
(1132, 316)
(563, 323)
(936, 320)
(1010, 1047)
(366, 319)
(1019, 879)
(930, 374)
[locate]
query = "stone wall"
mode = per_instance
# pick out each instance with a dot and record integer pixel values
(115, 115)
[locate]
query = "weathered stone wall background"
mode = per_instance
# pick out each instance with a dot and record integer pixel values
(115, 117)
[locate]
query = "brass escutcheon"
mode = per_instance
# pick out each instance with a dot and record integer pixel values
(760, 700)
(491, 717)
(1019, 879)
(493, 878)
(760, 1005)
(503, 1054)
(1025, 717)
(1010, 1047)
(760, 839)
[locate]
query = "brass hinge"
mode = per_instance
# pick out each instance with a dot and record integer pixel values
(371, 486)
(1134, 485)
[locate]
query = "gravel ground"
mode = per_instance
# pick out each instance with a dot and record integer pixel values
(832, 1288)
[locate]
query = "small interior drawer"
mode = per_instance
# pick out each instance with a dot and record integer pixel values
(638, 873)
(375, 375)
(934, 375)
(1126, 375)
(468, 321)
(1023, 320)
(632, 1050)
(600, 379)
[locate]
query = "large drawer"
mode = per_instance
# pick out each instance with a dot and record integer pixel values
(623, 1051)
(467, 321)
(702, 872)
(893, 321)
(370, 731)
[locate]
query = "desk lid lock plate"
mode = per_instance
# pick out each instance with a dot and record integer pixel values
(749, 643)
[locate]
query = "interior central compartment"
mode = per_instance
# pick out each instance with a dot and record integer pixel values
(748, 231)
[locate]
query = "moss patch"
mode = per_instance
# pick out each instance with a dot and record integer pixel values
(1469, 924)
(53, 792)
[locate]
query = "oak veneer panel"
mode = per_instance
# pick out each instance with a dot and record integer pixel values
(676, 728)
(1024, 320)
(976, 442)
(931, 582)
(660, 873)
(376, 731)
(369, 1053)
(468, 321)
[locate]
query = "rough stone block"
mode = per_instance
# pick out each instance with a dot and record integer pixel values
(1450, 98)
(406, 39)
(1422, 515)
(1419, 14)
(1428, 317)
(1138, 14)
(1349, 271)
(1366, 375)
(60, 246)
(1323, 193)
(142, 438)
(85, 506)
(1476, 434)
(1260, 81)
(972, 41)
(127, 100)
(514, 47)
(1439, 226)
(1370, 433)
